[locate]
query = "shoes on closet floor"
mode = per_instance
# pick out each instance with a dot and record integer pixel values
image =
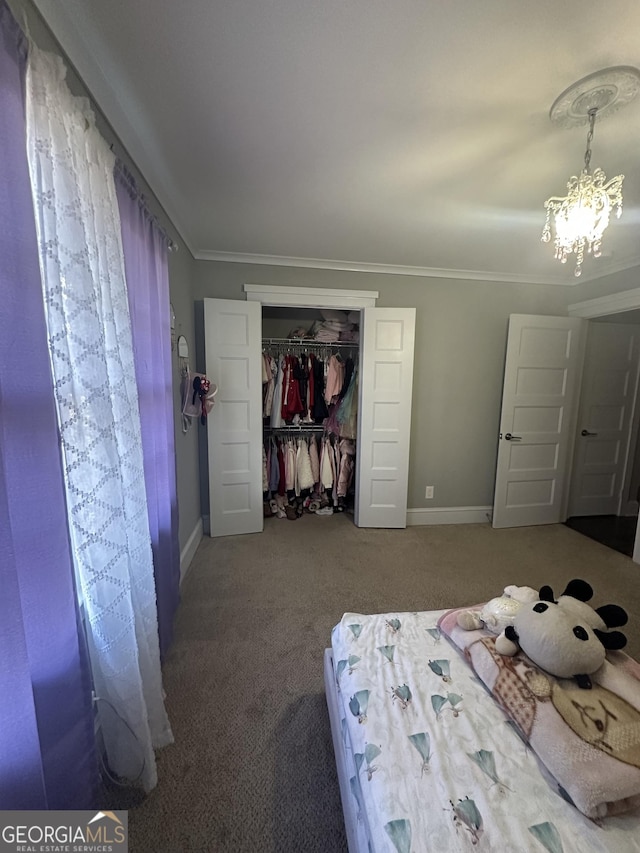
(325, 510)
(277, 507)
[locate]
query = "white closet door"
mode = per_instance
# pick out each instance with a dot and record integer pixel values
(384, 416)
(543, 366)
(233, 332)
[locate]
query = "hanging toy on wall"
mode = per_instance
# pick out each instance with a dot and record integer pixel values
(198, 396)
(205, 393)
(197, 386)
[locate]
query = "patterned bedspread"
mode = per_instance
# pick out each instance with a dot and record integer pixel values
(588, 740)
(435, 765)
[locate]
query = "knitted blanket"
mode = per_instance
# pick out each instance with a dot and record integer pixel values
(587, 741)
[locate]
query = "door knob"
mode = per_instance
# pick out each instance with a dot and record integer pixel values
(510, 437)
(586, 432)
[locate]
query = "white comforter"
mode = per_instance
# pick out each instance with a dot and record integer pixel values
(435, 766)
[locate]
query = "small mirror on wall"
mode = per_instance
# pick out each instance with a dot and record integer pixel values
(183, 347)
(183, 354)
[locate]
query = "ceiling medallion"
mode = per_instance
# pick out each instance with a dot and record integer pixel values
(581, 217)
(607, 91)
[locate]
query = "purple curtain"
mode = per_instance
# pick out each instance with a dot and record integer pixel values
(47, 751)
(146, 268)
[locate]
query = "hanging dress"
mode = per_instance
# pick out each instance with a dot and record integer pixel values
(291, 401)
(314, 459)
(269, 388)
(320, 411)
(282, 479)
(326, 466)
(304, 477)
(290, 465)
(347, 414)
(335, 378)
(276, 417)
(345, 474)
(274, 467)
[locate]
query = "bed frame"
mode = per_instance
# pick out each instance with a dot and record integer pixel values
(348, 802)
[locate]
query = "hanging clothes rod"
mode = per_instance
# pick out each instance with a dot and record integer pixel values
(295, 430)
(308, 343)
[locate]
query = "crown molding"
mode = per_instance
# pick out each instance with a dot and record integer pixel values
(611, 269)
(601, 306)
(379, 269)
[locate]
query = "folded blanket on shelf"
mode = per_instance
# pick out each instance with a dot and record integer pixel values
(586, 741)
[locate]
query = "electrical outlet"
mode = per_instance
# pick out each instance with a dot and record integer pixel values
(428, 492)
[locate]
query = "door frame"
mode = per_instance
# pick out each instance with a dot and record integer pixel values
(364, 301)
(605, 306)
(282, 296)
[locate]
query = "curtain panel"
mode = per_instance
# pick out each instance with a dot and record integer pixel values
(145, 249)
(47, 753)
(91, 350)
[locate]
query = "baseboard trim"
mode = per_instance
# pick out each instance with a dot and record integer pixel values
(189, 551)
(449, 515)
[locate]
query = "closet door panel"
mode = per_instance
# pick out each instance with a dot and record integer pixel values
(384, 416)
(234, 427)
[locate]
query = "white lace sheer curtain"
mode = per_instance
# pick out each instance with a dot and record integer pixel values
(91, 351)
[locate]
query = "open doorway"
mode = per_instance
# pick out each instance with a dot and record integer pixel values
(614, 523)
(615, 531)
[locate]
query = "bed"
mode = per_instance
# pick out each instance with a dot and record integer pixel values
(427, 760)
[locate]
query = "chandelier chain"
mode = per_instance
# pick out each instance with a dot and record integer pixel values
(592, 123)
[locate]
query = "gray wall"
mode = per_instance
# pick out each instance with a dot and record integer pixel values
(461, 329)
(181, 274)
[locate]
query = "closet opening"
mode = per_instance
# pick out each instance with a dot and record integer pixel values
(310, 382)
(381, 391)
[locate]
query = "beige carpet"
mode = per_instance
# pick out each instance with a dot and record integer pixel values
(252, 767)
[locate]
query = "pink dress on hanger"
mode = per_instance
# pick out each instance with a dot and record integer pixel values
(335, 379)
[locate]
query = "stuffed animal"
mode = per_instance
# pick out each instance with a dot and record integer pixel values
(499, 612)
(567, 637)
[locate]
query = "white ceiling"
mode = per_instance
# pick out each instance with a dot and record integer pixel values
(400, 135)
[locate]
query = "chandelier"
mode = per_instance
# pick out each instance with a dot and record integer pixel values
(581, 217)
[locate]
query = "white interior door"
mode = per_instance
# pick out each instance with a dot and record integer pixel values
(384, 416)
(233, 334)
(537, 422)
(609, 383)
